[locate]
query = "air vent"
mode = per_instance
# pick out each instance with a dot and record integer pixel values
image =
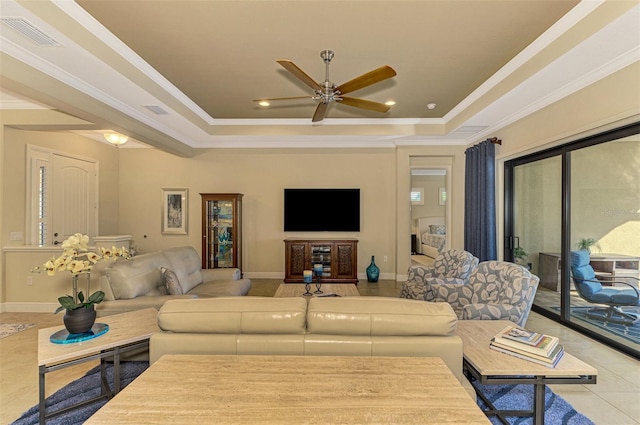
(29, 30)
(156, 109)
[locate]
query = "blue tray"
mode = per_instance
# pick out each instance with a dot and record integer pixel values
(64, 337)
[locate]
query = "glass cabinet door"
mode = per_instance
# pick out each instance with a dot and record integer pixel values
(221, 231)
(321, 254)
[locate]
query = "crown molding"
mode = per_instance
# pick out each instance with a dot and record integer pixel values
(575, 15)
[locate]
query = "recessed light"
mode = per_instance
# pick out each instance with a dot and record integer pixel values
(431, 106)
(390, 102)
(264, 103)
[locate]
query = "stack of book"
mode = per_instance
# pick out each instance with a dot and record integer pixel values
(535, 347)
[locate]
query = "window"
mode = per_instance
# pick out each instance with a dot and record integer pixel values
(43, 204)
(442, 196)
(417, 196)
(38, 163)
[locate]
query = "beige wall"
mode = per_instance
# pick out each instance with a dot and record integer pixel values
(604, 105)
(261, 176)
(383, 175)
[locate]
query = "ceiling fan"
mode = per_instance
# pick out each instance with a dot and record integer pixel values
(328, 92)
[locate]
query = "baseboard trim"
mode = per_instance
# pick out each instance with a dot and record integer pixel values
(383, 276)
(26, 307)
(263, 275)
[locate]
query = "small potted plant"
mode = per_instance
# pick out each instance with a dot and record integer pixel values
(587, 244)
(78, 260)
(520, 254)
(521, 257)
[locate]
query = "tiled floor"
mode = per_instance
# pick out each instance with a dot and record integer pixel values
(614, 400)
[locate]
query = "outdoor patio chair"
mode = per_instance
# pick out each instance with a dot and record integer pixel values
(453, 266)
(497, 290)
(591, 290)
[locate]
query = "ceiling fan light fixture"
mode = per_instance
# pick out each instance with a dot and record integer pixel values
(390, 102)
(115, 138)
(327, 92)
(264, 103)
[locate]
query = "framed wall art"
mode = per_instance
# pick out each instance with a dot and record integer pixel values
(175, 211)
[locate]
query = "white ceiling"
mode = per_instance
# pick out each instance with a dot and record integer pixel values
(485, 64)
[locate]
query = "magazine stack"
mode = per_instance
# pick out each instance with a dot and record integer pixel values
(532, 346)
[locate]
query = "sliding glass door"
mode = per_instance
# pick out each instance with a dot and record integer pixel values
(605, 219)
(585, 194)
(537, 224)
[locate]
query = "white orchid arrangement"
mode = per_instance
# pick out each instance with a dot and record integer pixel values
(77, 259)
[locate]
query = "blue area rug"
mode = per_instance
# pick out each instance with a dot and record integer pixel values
(558, 411)
(81, 389)
(520, 397)
(628, 332)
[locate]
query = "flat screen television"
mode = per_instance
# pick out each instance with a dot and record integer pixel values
(322, 210)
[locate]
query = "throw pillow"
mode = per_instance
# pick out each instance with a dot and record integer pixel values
(171, 281)
(437, 229)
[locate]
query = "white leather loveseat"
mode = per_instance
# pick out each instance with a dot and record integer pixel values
(354, 326)
(142, 282)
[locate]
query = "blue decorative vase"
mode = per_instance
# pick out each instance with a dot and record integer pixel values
(373, 272)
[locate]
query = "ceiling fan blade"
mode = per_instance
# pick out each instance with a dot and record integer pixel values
(282, 98)
(321, 110)
(364, 104)
(298, 73)
(371, 77)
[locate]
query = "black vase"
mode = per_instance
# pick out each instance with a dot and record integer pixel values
(373, 272)
(80, 320)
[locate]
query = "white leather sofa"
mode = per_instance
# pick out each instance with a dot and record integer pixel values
(141, 283)
(354, 326)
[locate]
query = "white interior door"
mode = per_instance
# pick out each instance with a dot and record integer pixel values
(73, 197)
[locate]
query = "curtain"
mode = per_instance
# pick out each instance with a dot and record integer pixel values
(480, 201)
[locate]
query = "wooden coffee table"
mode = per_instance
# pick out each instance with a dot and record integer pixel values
(197, 389)
(297, 289)
(127, 331)
(492, 367)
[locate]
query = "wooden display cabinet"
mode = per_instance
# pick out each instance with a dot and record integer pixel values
(339, 259)
(221, 230)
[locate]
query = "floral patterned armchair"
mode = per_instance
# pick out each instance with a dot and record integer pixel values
(497, 290)
(453, 266)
